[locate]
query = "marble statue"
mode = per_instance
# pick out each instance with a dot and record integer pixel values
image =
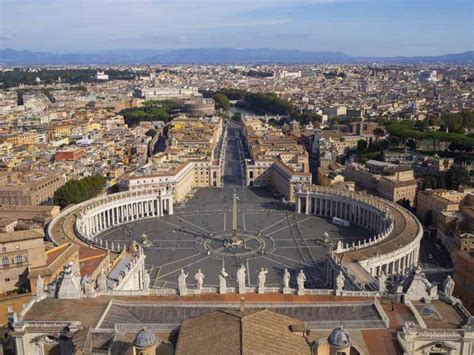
(382, 279)
(102, 281)
(223, 281)
(183, 289)
(199, 277)
(39, 286)
(146, 281)
(300, 280)
(340, 280)
(286, 279)
(262, 278)
(89, 288)
(448, 286)
(241, 278)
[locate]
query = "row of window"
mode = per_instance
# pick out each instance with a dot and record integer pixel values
(18, 259)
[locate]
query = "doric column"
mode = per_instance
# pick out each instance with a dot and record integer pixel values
(171, 209)
(307, 204)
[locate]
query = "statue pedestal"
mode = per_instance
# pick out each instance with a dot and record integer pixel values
(222, 290)
(300, 292)
(183, 292)
(261, 290)
(197, 291)
(241, 290)
(287, 290)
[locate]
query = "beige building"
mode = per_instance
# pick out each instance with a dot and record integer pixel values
(55, 132)
(21, 138)
(19, 252)
(400, 184)
(31, 191)
(28, 216)
(277, 160)
(191, 159)
(389, 181)
(430, 203)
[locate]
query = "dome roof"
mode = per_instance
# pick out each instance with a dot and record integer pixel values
(339, 337)
(144, 339)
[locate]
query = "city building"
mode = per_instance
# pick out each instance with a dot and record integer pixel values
(464, 277)
(20, 251)
(35, 190)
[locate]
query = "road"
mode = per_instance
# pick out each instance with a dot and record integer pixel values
(234, 157)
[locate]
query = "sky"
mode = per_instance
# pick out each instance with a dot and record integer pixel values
(358, 27)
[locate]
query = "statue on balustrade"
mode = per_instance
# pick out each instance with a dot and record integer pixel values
(39, 286)
(300, 280)
(262, 278)
(340, 281)
(449, 286)
(382, 280)
(146, 281)
(286, 279)
(183, 288)
(199, 277)
(102, 281)
(223, 281)
(241, 278)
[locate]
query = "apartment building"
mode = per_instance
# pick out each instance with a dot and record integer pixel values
(20, 251)
(35, 190)
(191, 159)
(277, 160)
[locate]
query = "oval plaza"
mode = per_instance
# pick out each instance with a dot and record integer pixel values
(381, 237)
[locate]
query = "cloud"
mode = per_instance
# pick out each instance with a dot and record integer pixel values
(7, 37)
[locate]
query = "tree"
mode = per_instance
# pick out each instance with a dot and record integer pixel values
(222, 101)
(379, 132)
(76, 191)
(411, 143)
(151, 133)
(237, 116)
(441, 181)
(429, 182)
(456, 176)
(361, 145)
(404, 203)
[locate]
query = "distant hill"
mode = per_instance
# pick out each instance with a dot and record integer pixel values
(213, 56)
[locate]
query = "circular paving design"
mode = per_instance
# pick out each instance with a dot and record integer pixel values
(196, 237)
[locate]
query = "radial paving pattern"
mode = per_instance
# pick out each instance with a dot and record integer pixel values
(193, 238)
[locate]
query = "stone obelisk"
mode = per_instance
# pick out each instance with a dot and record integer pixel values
(235, 239)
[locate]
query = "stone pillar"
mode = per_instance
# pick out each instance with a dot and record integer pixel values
(170, 208)
(307, 204)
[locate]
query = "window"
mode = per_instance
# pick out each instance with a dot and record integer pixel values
(7, 279)
(5, 261)
(18, 259)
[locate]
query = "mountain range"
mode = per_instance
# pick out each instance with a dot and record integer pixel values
(214, 56)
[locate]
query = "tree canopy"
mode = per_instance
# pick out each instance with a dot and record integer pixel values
(76, 191)
(222, 101)
(152, 111)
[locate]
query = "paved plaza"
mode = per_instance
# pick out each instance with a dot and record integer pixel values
(193, 237)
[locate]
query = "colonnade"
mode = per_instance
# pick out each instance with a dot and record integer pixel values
(116, 209)
(354, 211)
(372, 214)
